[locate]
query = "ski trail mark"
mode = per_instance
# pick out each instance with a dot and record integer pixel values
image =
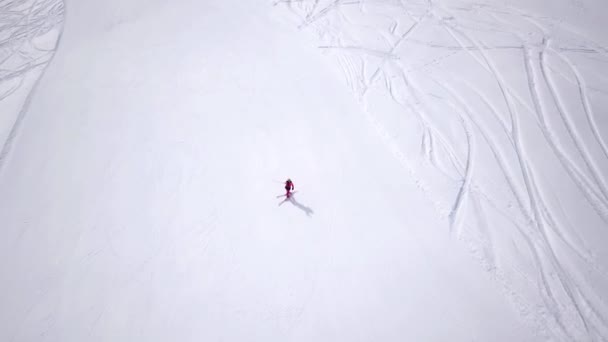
(566, 119)
(23, 25)
(588, 109)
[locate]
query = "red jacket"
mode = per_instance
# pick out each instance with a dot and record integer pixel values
(289, 185)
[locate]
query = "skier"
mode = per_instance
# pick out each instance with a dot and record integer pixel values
(288, 187)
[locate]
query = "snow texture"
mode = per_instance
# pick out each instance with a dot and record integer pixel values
(450, 159)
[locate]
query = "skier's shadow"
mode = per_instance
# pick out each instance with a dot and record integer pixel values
(307, 210)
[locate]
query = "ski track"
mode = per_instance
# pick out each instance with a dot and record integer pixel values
(462, 195)
(566, 119)
(22, 23)
(558, 303)
(575, 174)
(557, 99)
(585, 102)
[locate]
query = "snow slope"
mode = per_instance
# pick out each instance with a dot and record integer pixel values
(498, 111)
(29, 31)
(454, 191)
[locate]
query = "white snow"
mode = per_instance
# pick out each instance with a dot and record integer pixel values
(450, 160)
(28, 37)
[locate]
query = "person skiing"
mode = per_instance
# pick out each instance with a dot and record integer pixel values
(288, 187)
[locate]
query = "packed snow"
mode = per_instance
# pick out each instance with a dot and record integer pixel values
(450, 162)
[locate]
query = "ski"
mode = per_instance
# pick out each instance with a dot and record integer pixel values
(283, 195)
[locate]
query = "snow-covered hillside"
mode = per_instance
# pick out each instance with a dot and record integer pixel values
(499, 113)
(29, 31)
(450, 160)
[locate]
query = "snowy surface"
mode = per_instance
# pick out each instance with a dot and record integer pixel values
(450, 158)
(29, 31)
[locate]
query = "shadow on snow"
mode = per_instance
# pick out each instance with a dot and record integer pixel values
(307, 210)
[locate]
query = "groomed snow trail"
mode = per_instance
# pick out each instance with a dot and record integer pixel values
(498, 112)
